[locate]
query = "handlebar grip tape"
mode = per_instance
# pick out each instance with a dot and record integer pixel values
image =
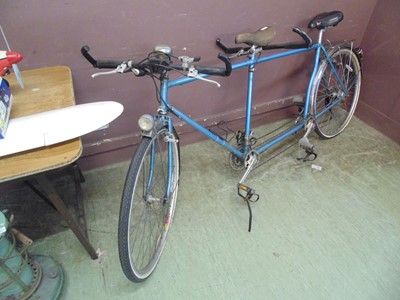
(108, 64)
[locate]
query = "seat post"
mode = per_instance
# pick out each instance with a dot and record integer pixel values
(320, 34)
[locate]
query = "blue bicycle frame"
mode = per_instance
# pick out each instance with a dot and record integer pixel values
(250, 63)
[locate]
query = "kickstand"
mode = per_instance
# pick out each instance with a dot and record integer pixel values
(247, 193)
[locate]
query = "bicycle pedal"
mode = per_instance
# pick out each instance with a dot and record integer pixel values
(247, 192)
(310, 155)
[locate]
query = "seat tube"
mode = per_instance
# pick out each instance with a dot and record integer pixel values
(317, 56)
(249, 104)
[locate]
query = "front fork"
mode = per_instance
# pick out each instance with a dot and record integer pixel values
(170, 139)
(161, 121)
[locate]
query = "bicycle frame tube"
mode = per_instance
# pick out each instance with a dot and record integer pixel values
(313, 74)
(249, 104)
(205, 131)
(303, 122)
(246, 63)
(310, 87)
(334, 70)
(250, 62)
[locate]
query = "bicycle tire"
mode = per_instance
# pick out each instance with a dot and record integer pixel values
(327, 91)
(146, 213)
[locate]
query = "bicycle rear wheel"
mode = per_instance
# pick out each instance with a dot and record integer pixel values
(332, 106)
(148, 204)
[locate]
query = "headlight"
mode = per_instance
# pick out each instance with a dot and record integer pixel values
(146, 122)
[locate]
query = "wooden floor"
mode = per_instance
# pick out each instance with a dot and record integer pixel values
(332, 233)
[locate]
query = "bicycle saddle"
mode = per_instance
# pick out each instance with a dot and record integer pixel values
(325, 20)
(261, 37)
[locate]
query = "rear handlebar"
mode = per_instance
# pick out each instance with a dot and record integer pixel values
(218, 71)
(296, 45)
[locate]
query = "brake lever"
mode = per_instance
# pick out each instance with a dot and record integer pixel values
(104, 73)
(122, 68)
(193, 73)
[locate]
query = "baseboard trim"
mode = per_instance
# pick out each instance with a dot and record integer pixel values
(379, 121)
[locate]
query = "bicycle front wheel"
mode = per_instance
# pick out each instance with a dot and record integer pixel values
(332, 103)
(148, 204)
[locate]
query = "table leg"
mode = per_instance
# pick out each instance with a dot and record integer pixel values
(78, 179)
(58, 203)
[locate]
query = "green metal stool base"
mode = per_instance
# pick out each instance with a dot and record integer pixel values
(23, 276)
(52, 279)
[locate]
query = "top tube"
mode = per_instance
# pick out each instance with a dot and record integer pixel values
(246, 63)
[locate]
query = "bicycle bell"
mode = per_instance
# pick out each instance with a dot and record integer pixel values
(163, 49)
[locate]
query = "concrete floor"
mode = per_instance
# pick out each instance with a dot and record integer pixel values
(328, 234)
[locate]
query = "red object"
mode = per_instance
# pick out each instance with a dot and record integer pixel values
(7, 59)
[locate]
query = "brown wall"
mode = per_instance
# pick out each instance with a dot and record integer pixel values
(380, 101)
(52, 32)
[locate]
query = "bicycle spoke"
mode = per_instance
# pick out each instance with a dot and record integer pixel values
(336, 93)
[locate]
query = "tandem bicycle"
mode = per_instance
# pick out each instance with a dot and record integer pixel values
(151, 187)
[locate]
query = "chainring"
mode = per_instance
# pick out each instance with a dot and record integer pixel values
(236, 162)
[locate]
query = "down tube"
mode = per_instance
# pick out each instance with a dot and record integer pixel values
(206, 132)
